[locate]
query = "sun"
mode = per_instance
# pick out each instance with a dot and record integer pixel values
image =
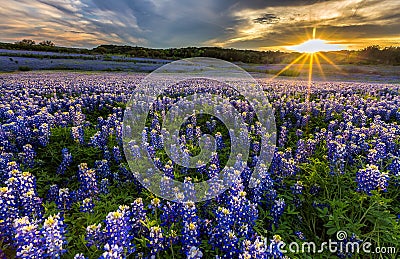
(315, 45)
(311, 53)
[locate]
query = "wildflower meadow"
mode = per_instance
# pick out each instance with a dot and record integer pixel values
(67, 190)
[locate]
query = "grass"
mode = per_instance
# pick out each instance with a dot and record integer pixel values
(24, 68)
(288, 72)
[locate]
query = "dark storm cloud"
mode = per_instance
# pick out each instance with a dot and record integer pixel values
(267, 18)
(178, 23)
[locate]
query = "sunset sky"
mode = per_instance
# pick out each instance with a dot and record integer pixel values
(244, 24)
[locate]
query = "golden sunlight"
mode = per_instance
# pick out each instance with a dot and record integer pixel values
(311, 50)
(316, 45)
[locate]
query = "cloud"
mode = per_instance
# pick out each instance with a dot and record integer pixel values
(335, 20)
(174, 23)
(254, 24)
(267, 18)
(67, 23)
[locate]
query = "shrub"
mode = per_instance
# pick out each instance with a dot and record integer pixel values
(24, 68)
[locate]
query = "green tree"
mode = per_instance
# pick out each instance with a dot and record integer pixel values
(47, 43)
(26, 42)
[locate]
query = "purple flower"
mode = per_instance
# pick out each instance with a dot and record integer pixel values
(156, 240)
(8, 213)
(394, 166)
(191, 230)
(94, 235)
(117, 154)
(113, 252)
(277, 210)
(103, 169)
(88, 182)
(87, 205)
(64, 200)
(44, 134)
(137, 214)
(223, 237)
(66, 161)
(28, 239)
(79, 256)
(77, 134)
(219, 141)
(260, 248)
(370, 178)
(28, 155)
(118, 230)
(194, 253)
(54, 236)
(104, 184)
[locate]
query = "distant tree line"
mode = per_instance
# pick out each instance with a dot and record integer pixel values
(45, 45)
(372, 55)
(246, 56)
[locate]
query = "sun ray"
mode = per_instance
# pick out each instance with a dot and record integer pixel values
(312, 52)
(288, 66)
(330, 62)
(345, 54)
(302, 63)
(319, 66)
(310, 71)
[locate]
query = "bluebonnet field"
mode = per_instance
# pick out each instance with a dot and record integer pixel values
(13, 60)
(66, 190)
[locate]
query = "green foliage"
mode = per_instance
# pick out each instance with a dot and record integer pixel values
(24, 68)
(287, 72)
(49, 158)
(371, 218)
